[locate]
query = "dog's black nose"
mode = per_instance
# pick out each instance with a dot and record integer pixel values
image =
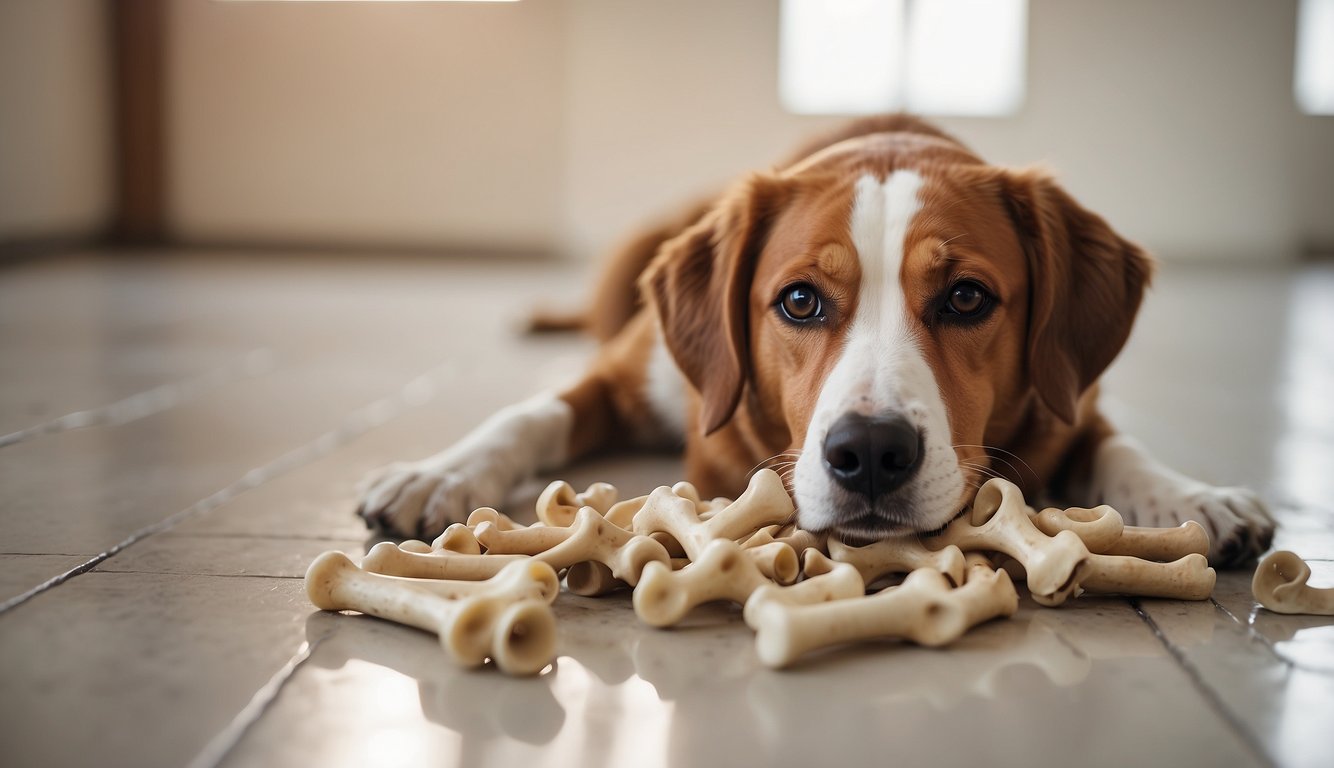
(872, 456)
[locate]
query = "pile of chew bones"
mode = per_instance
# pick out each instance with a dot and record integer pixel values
(486, 586)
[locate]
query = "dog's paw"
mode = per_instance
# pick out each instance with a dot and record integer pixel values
(419, 499)
(1239, 525)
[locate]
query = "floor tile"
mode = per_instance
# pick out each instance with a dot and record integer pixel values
(227, 555)
(20, 573)
(139, 669)
(1275, 680)
(1090, 680)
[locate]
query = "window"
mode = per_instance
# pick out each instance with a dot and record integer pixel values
(938, 57)
(1313, 78)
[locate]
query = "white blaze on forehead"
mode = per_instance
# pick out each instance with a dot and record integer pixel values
(882, 369)
(881, 212)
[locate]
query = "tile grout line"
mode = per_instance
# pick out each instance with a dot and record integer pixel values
(415, 393)
(1210, 695)
(163, 397)
(222, 743)
(207, 575)
(1269, 645)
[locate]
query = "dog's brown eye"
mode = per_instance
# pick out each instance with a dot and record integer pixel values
(800, 302)
(966, 299)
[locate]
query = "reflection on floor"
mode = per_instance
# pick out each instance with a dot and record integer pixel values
(179, 437)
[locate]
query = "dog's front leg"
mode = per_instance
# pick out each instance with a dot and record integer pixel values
(420, 498)
(614, 403)
(1147, 492)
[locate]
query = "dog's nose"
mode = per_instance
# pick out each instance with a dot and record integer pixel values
(872, 456)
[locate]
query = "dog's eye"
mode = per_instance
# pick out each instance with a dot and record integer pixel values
(800, 303)
(966, 299)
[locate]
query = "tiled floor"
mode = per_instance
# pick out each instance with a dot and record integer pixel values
(179, 437)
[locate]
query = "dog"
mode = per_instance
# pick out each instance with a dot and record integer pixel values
(887, 320)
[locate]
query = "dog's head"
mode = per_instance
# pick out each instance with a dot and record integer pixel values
(887, 306)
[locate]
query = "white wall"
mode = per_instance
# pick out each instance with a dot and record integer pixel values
(55, 162)
(562, 123)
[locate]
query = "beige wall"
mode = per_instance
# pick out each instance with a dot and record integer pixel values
(558, 124)
(55, 170)
(366, 123)
(1174, 119)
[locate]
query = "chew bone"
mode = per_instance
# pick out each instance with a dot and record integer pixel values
(622, 513)
(1103, 532)
(593, 538)
(591, 579)
(1280, 585)
(777, 561)
(1162, 544)
(998, 521)
(722, 572)
(923, 609)
(519, 635)
(589, 537)
(558, 504)
(765, 502)
(457, 538)
(826, 580)
(525, 578)
(488, 515)
(1189, 578)
(388, 559)
(1099, 528)
(797, 538)
(900, 554)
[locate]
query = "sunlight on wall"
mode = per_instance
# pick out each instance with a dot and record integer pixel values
(943, 57)
(1313, 81)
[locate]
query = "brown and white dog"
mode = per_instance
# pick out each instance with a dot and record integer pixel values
(886, 315)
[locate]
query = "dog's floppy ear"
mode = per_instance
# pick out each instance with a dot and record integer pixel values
(699, 286)
(1086, 283)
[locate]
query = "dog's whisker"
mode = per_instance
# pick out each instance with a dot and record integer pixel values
(1015, 456)
(773, 460)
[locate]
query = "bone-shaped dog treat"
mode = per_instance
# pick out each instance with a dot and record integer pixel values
(1280, 585)
(777, 561)
(591, 537)
(1099, 528)
(1161, 544)
(388, 559)
(558, 504)
(900, 554)
(688, 491)
(923, 609)
(705, 508)
(1103, 532)
(418, 547)
(987, 593)
(457, 538)
(525, 578)
(800, 540)
(521, 540)
(723, 571)
(622, 513)
(826, 580)
(592, 579)
(765, 502)
(519, 635)
(998, 521)
(1189, 578)
(489, 515)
